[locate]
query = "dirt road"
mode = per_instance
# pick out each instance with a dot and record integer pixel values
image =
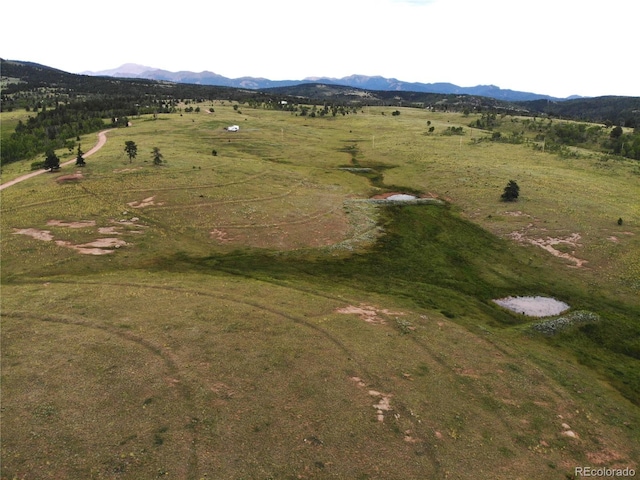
(102, 139)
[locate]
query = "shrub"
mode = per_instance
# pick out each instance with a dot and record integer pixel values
(556, 325)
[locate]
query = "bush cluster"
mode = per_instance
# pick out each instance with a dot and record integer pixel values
(553, 326)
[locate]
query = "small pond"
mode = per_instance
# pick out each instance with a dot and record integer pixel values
(533, 306)
(401, 197)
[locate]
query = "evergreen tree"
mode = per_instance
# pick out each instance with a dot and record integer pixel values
(511, 192)
(79, 158)
(156, 155)
(51, 161)
(131, 148)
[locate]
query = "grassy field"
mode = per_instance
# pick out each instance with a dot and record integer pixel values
(252, 315)
(9, 121)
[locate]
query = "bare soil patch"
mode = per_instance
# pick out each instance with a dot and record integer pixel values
(144, 203)
(368, 313)
(80, 224)
(100, 246)
(516, 213)
(383, 405)
(70, 178)
(220, 236)
(108, 231)
(549, 244)
(44, 235)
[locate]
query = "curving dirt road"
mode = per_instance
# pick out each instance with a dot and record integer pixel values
(102, 139)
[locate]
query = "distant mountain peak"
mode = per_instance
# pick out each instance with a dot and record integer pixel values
(365, 82)
(127, 70)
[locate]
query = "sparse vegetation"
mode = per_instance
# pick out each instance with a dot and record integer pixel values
(454, 131)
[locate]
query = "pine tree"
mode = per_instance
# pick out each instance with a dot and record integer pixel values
(51, 161)
(79, 158)
(511, 192)
(156, 155)
(131, 148)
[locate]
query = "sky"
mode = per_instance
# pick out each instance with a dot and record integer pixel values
(552, 47)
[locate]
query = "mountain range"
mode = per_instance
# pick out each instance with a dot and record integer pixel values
(132, 70)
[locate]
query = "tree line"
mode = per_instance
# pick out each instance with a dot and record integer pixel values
(556, 135)
(55, 128)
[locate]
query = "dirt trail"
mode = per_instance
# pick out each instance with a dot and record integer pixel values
(102, 139)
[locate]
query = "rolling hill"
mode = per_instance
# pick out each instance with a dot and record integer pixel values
(259, 306)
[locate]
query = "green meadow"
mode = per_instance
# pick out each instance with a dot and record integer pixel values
(245, 311)
(9, 121)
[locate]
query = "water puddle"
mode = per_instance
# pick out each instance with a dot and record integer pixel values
(406, 198)
(533, 306)
(401, 197)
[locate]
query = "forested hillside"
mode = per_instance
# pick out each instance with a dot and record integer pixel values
(622, 111)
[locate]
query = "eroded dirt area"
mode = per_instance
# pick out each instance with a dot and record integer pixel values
(80, 224)
(102, 246)
(72, 177)
(550, 243)
(149, 201)
(99, 246)
(383, 404)
(44, 235)
(368, 313)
